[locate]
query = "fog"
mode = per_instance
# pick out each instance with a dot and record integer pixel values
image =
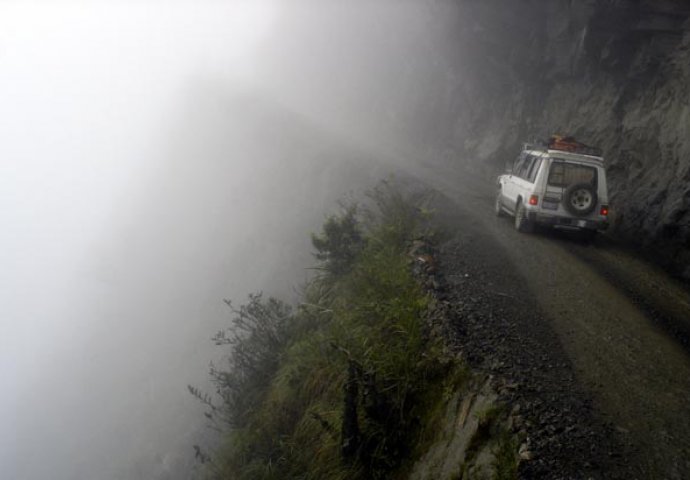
(156, 158)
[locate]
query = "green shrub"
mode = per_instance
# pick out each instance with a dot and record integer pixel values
(336, 388)
(339, 242)
(257, 336)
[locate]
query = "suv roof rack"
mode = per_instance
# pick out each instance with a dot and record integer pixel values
(563, 144)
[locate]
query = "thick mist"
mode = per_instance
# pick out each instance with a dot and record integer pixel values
(156, 158)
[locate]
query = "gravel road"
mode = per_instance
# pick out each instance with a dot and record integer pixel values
(591, 339)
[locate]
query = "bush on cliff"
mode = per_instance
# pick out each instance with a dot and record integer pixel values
(336, 388)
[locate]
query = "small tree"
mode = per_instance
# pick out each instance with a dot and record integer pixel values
(339, 242)
(257, 339)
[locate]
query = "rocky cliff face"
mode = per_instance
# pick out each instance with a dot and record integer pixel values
(615, 74)
(469, 81)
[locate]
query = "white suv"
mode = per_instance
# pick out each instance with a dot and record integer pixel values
(561, 184)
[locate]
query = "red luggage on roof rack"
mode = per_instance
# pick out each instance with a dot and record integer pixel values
(569, 144)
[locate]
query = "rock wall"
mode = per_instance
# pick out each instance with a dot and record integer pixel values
(615, 74)
(469, 81)
(464, 446)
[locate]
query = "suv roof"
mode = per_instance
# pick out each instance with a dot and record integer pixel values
(567, 144)
(574, 156)
(573, 151)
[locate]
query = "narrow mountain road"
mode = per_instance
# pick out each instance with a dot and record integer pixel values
(622, 323)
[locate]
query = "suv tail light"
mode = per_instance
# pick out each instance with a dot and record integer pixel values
(534, 200)
(604, 211)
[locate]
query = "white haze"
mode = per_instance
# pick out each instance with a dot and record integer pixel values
(155, 158)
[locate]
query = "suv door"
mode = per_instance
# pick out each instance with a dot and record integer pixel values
(509, 187)
(523, 178)
(564, 174)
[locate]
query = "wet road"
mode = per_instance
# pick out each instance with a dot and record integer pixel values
(623, 322)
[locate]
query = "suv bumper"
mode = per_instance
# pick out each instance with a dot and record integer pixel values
(567, 222)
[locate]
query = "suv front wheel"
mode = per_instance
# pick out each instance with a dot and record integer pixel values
(522, 223)
(498, 206)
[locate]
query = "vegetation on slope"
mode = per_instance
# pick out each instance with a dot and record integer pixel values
(346, 385)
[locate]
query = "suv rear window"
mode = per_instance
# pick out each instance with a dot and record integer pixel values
(563, 174)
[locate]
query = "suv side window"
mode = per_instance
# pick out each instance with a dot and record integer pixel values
(517, 165)
(525, 166)
(532, 174)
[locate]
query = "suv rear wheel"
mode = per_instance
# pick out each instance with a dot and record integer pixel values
(522, 223)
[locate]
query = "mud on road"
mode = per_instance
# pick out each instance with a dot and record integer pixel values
(593, 339)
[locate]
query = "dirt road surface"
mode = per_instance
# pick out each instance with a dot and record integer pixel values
(620, 324)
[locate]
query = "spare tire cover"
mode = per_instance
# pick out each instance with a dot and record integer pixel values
(580, 199)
